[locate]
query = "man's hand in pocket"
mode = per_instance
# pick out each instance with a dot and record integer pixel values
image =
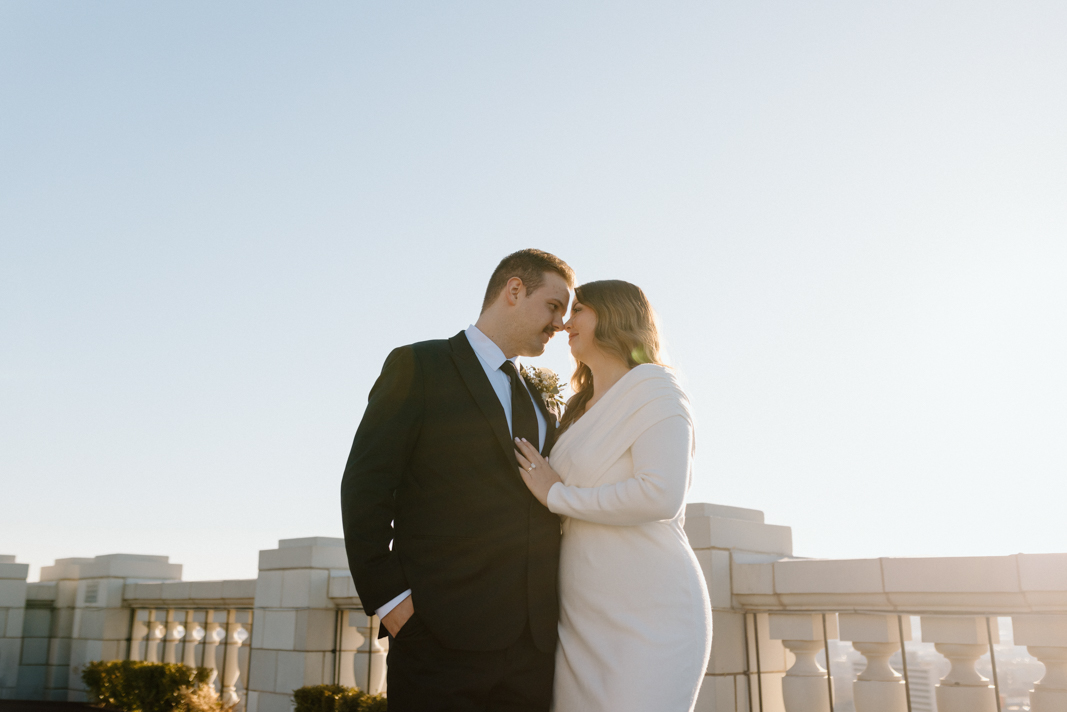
(395, 619)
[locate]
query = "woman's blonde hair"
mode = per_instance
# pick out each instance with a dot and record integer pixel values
(626, 327)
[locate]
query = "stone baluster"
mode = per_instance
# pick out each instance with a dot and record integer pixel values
(213, 635)
(1045, 637)
(376, 660)
(878, 688)
(369, 661)
(963, 640)
(175, 632)
(137, 637)
(235, 635)
(805, 686)
(194, 633)
(156, 631)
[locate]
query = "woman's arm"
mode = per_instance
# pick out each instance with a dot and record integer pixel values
(661, 457)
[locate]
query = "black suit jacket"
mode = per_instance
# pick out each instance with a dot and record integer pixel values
(433, 471)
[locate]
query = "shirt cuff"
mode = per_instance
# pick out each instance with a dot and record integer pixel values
(388, 607)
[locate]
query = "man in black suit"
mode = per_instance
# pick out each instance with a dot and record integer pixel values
(445, 542)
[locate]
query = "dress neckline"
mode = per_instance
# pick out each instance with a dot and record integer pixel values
(611, 393)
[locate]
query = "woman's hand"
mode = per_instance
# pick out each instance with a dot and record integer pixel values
(535, 470)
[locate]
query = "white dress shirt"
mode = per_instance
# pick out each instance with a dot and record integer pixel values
(491, 358)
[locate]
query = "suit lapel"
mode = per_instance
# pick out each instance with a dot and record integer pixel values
(470, 368)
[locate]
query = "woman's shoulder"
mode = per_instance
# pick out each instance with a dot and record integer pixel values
(653, 382)
(656, 375)
(653, 369)
(649, 371)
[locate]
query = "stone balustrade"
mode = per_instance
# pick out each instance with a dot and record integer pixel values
(957, 602)
(299, 622)
(199, 623)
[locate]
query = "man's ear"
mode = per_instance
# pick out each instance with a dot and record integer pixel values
(514, 289)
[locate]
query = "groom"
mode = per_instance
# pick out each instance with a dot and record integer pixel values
(445, 542)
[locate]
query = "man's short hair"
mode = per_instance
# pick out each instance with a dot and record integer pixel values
(530, 266)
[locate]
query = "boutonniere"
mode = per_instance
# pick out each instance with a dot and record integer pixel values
(546, 382)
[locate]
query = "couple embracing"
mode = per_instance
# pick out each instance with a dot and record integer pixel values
(520, 558)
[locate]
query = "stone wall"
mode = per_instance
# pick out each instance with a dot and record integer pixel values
(306, 623)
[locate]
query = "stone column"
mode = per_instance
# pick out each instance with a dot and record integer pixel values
(194, 633)
(12, 610)
(156, 632)
(235, 636)
(90, 620)
(62, 578)
(878, 688)
(962, 640)
(1045, 637)
(295, 626)
(175, 631)
(363, 657)
(37, 629)
(805, 687)
(138, 635)
(723, 537)
(215, 633)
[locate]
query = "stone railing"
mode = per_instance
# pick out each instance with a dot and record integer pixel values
(299, 622)
(802, 605)
(181, 622)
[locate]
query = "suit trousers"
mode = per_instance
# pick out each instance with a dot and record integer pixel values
(425, 676)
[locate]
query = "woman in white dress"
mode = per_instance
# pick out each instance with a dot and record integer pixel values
(635, 617)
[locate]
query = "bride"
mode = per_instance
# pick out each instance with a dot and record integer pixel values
(635, 618)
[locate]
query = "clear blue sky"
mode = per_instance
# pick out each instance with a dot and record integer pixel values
(217, 219)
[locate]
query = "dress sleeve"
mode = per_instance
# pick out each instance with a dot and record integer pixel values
(661, 457)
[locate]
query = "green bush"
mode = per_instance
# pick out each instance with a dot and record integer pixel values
(322, 698)
(337, 698)
(133, 686)
(370, 703)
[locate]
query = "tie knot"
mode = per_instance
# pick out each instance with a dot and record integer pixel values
(509, 368)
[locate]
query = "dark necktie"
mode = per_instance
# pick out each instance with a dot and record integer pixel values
(523, 418)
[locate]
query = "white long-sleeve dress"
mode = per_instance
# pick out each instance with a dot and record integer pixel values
(635, 617)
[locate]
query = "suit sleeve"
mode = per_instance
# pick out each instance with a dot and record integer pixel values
(656, 492)
(381, 450)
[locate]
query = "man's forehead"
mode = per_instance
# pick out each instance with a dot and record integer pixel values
(560, 292)
(558, 286)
